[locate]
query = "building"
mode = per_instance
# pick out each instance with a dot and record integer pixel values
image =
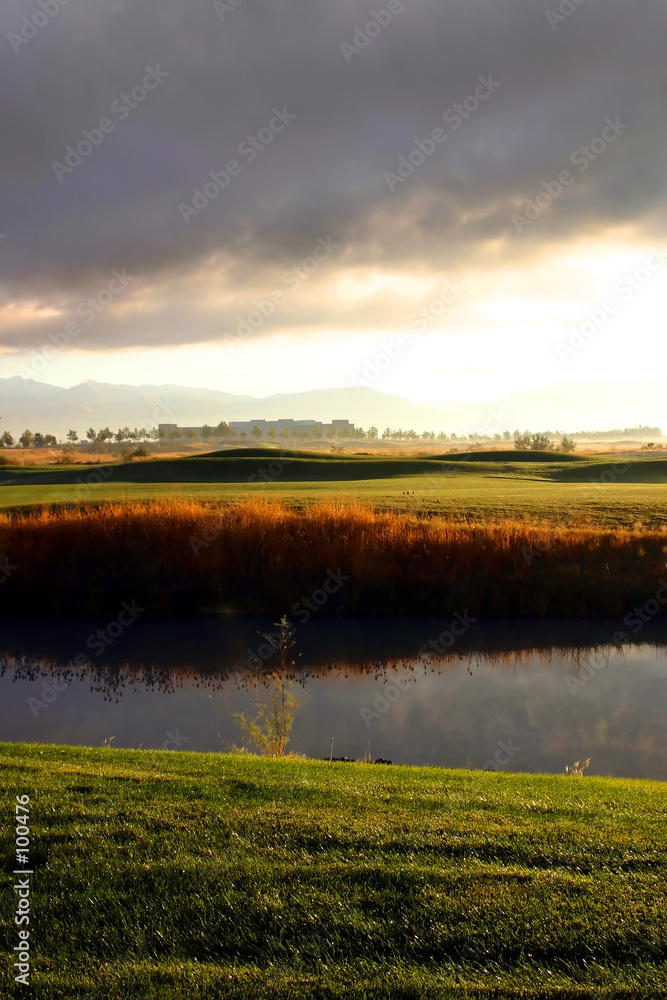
(285, 427)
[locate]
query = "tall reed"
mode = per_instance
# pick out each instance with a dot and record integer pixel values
(264, 557)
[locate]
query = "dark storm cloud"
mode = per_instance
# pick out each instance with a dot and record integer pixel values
(220, 75)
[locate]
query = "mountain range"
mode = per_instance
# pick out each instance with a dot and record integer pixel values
(564, 406)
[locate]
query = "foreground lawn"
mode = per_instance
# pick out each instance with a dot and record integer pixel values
(178, 875)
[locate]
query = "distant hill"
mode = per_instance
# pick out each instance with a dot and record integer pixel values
(564, 406)
(572, 406)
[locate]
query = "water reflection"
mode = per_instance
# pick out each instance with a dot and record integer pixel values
(511, 699)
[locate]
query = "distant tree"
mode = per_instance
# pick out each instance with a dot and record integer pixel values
(206, 432)
(91, 434)
(286, 432)
(442, 436)
(331, 433)
(387, 433)
(105, 434)
(567, 444)
(428, 435)
(50, 440)
(522, 442)
(258, 433)
(7, 440)
(72, 437)
(27, 439)
(372, 434)
(223, 430)
(541, 442)
(273, 433)
(507, 435)
(316, 435)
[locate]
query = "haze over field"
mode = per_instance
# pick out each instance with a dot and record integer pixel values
(566, 407)
(268, 199)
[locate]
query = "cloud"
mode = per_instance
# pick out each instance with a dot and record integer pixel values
(226, 74)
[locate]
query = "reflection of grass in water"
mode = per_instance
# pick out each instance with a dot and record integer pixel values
(270, 728)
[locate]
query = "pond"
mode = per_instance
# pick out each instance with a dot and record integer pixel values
(519, 696)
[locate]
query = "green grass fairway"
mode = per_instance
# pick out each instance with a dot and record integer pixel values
(171, 876)
(581, 489)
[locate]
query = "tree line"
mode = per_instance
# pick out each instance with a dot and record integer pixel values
(523, 440)
(39, 440)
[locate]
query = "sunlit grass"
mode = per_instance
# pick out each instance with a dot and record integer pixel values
(261, 556)
(178, 875)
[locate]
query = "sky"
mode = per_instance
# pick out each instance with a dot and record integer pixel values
(440, 199)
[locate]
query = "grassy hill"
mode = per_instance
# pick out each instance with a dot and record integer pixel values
(492, 485)
(178, 875)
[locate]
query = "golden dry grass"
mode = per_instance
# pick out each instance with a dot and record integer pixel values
(262, 556)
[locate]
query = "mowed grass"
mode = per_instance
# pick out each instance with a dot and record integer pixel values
(481, 498)
(491, 486)
(167, 876)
